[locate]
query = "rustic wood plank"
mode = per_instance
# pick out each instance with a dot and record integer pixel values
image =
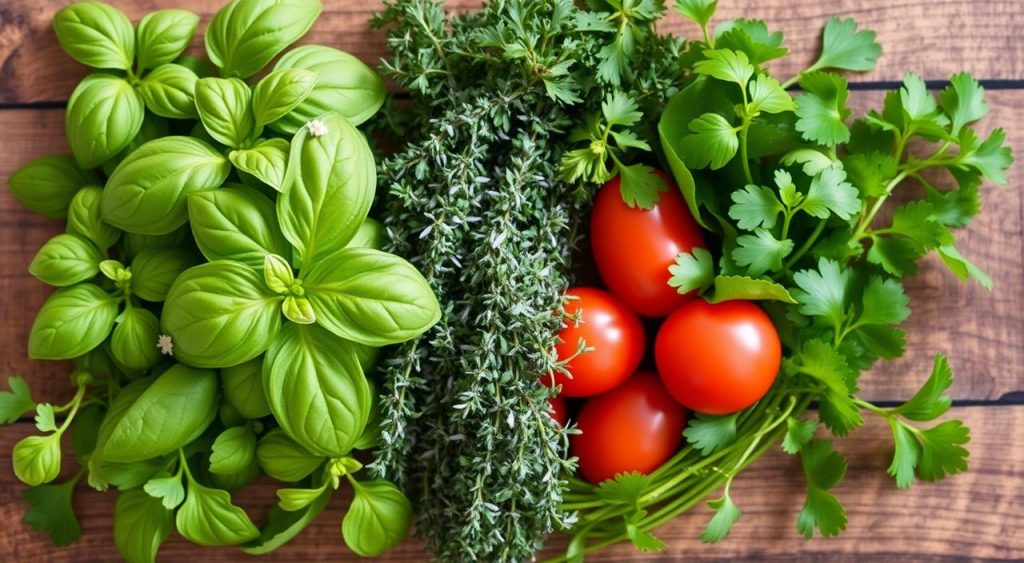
(933, 38)
(974, 515)
(976, 328)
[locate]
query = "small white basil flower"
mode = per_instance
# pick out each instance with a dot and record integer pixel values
(165, 344)
(317, 128)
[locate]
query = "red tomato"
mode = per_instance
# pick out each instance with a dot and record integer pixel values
(614, 333)
(634, 427)
(559, 410)
(634, 247)
(718, 359)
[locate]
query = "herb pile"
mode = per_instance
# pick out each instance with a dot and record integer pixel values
(221, 291)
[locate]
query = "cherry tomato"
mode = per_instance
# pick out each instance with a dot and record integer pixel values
(559, 410)
(718, 359)
(615, 335)
(634, 247)
(634, 427)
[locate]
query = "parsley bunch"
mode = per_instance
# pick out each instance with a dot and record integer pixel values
(792, 187)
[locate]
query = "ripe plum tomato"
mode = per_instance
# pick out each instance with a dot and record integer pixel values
(634, 427)
(615, 336)
(718, 359)
(559, 410)
(634, 247)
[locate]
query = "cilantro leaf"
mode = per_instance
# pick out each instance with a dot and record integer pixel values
(823, 292)
(813, 161)
(883, 341)
(625, 488)
(798, 434)
(830, 192)
(751, 37)
(642, 540)
(167, 488)
(700, 11)
(727, 65)
(821, 110)
(895, 255)
(713, 142)
(991, 157)
(884, 302)
(726, 514)
(823, 469)
(693, 271)
(963, 101)
(761, 252)
(917, 101)
(845, 48)
(709, 433)
(50, 512)
(955, 207)
(767, 95)
(962, 267)
(916, 221)
(931, 400)
(870, 172)
(45, 420)
(626, 139)
(906, 454)
(730, 288)
(17, 402)
(620, 109)
(836, 407)
(942, 453)
(755, 206)
(640, 185)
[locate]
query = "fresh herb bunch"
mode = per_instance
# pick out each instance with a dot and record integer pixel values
(210, 352)
(476, 199)
(792, 189)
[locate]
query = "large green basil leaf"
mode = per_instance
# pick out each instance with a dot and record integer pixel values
(170, 413)
(134, 342)
(370, 235)
(209, 519)
(96, 34)
(84, 218)
(284, 459)
(344, 84)
(66, 259)
(316, 389)
(36, 459)
(221, 314)
(47, 185)
(153, 127)
(237, 224)
(246, 34)
(328, 188)
(377, 520)
(71, 322)
(147, 192)
(103, 473)
(154, 271)
(370, 297)
(169, 91)
(225, 107)
(267, 161)
(243, 388)
(283, 525)
(233, 451)
(163, 36)
(141, 524)
(279, 92)
(104, 114)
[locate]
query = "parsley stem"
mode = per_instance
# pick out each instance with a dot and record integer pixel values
(805, 247)
(75, 404)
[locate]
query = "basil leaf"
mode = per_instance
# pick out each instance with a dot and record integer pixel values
(284, 459)
(134, 342)
(316, 389)
(96, 34)
(233, 451)
(209, 519)
(221, 314)
(344, 84)
(298, 310)
(246, 34)
(370, 235)
(47, 185)
(147, 192)
(153, 127)
(267, 161)
(280, 92)
(370, 297)
(154, 271)
(66, 259)
(168, 91)
(174, 410)
(132, 244)
(224, 106)
(102, 473)
(104, 114)
(377, 520)
(237, 224)
(328, 188)
(246, 476)
(371, 434)
(282, 525)
(163, 36)
(71, 322)
(84, 218)
(141, 524)
(243, 388)
(36, 459)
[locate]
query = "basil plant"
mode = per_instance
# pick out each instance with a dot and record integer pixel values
(221, 291)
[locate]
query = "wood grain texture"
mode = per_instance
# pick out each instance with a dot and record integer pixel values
(970, 516)
(934, 38)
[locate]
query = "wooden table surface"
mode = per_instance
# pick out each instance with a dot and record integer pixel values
(974, 515)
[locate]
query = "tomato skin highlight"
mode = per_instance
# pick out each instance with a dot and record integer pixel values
(634, 247)
(559, 410)
(634, 427)
(718, 359)
(616, 336)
